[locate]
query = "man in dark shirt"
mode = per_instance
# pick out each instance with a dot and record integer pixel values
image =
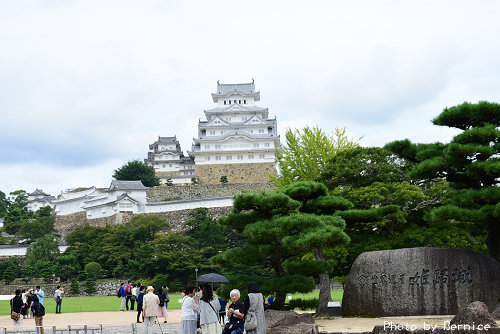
(16, 305)
(236, 314)
(140, 299)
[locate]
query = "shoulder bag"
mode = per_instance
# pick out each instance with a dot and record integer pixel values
(251, 317)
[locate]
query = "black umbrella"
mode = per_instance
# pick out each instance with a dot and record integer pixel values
(212, 278)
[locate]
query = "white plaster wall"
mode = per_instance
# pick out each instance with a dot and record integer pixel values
(187, 205)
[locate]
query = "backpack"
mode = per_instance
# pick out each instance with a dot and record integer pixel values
(128, 289)
(119, 294)
(38, 310)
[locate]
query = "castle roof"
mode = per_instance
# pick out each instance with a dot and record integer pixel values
(126, 185)
(246, 89)
(38, 192)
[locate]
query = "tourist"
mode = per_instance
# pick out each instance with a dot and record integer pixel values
(58, 298)
(31, 297)
(128, 296)
(24, 297)
(209, 312)
(133, 298)
(270, 300)
(16, 305)
(255, 303)
(162, 308)
(38, 312)
(150, 310)
(123, 295)
(40, 294)
(236, 313)
(188, 311)
(140, 300)
(222, 310)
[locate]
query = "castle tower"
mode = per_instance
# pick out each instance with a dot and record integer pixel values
(169, 162)
(237, 140)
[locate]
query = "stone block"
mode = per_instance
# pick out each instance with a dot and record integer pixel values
(420, 281)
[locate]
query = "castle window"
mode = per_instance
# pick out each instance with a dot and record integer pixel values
(239, 101)
(229, 157)
(229, 101)
(224, 101)
(207, 147)
(217, 147)
(235, 101)
(250, 156)
(251, 131)
(240, 157)
(212, 133)
(208, 158)
(256, 145)
(217, 157)
(261, 156)
(266, 144)
(261, 130)
(244, 101)
(228, 119)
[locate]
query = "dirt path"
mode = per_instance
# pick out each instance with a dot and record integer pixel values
(126, 318)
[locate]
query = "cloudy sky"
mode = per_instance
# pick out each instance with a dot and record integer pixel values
(86, 86)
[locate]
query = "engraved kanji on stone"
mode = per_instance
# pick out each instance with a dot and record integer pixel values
(383, 279)
(425, 276)
(401, 279)
(463, 276)
(414, 280)
(374, 279)
(392, 279)
(362, 279)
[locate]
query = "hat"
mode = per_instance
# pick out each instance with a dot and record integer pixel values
(150, 288)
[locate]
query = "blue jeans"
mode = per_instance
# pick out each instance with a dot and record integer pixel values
(236, 331)
(58, 306)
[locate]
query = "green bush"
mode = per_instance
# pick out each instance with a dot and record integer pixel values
(302, 304)
(90, 286)
(93, 269)
(74, 288)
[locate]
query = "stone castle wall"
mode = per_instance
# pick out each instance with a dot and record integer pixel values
(235, 173)
(177, 192)
(177, 219)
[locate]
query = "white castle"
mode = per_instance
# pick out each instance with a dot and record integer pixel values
(237, 140)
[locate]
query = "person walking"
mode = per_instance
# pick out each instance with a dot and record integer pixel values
(188, 311)
(16, 305)
(128, 296)
(140, 300)
(162, 307)
(38, 313)
(150, 310)
(254, 303)
(209, 312)
(123, 295)
(58, 298)
(133, 298)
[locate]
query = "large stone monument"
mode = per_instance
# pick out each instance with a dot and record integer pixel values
(420, 281)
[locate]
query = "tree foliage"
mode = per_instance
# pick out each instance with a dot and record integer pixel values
(471, 165)
(280, 226)
(306, 153)
(137, 170)
(44, 249)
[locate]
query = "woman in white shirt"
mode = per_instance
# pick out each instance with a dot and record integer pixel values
(188, 311)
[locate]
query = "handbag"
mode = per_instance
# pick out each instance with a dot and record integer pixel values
(250, 321)
(15, 316)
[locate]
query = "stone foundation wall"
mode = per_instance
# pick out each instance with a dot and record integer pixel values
(236, 173)
(177, 192)
(177, 219)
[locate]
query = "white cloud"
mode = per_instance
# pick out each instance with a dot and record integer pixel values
(87, 85)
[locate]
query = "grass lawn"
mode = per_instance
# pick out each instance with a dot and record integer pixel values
(112, 303)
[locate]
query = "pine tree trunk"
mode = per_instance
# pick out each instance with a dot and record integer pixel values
(493, 240)
(324, 286)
